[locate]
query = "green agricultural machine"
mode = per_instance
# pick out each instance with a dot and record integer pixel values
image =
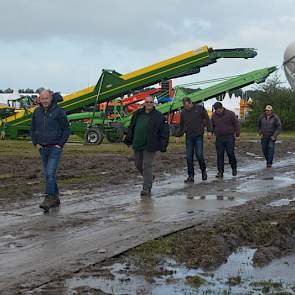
(112, 84)
(96, 126)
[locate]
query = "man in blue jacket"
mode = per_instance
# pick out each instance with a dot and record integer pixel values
(49, 130)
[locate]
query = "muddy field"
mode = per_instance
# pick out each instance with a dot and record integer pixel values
(246, 222)
(91, 167)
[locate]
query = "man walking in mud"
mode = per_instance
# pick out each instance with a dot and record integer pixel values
(193, 119)
(226, 128)
(269, 127)
(50, 131)
(148, 133)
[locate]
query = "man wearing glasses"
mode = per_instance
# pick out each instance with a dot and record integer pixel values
(148, 133)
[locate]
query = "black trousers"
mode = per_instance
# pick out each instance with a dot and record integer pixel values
(225, 144)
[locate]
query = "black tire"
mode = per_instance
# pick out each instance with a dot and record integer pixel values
(94, 136)
(115, 135)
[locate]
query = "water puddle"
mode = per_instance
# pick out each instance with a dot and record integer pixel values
(236, 276)
(281, 202)
(266, 184)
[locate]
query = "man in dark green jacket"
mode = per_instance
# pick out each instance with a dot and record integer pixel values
(148, 133)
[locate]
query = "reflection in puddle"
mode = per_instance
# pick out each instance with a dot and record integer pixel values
(237, 276)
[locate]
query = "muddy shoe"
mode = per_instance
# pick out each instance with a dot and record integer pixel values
(204, 175)
(219, 174)
(45, 204)
(145, 193)
(190, 179)
(50, 202)
(234, 172)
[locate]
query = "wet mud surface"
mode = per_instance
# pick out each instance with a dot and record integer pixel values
(71, 250)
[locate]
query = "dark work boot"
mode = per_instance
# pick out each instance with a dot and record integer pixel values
(190, 179)
(204, 175)
(219, 174)
(145, 193)
(234, 172)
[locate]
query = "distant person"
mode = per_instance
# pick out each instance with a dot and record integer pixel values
(226, 128)
(50, 131)
(193, 119)
(269, 127)
(148, 133)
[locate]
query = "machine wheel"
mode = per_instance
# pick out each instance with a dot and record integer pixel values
(115, 135)
(94, 136)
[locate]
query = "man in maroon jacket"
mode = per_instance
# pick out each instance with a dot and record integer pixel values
(226, 128)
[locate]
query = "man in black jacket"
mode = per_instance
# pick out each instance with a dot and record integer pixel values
(50, 131)
(269, 127)
(148, 133)
(193, 119)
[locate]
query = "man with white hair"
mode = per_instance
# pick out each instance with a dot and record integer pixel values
(50, 131)
(269, 127)
(148, 133)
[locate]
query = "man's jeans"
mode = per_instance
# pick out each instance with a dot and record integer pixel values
(225, 143)
(50, 159)
(144, 164)
(268, 149)
(194, 145)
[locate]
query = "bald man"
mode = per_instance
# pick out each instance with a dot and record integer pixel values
(148, 133)
(50, 131)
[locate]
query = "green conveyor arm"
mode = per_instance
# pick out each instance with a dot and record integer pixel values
(257, 76)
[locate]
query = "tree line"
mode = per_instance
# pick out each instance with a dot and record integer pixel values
(281, 98)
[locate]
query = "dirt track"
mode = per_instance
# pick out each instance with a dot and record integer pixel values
(103, 215)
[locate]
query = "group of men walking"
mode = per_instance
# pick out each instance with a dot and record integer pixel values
(148, 134)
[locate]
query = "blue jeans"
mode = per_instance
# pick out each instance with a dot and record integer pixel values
(194, 145)
(225, 143)
(50, 159)
(268, 149)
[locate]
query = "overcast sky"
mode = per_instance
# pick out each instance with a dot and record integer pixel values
(64, 44)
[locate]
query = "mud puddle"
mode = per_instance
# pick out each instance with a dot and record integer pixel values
(236, 276)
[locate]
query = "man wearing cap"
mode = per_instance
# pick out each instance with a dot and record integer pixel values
(269, 127)
(226, 128)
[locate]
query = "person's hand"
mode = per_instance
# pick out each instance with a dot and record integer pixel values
(209, 135)
(237, 139)
(177, 140)
(38, 147)
(273, 138)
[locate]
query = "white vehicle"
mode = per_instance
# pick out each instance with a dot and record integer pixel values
(289, 64)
